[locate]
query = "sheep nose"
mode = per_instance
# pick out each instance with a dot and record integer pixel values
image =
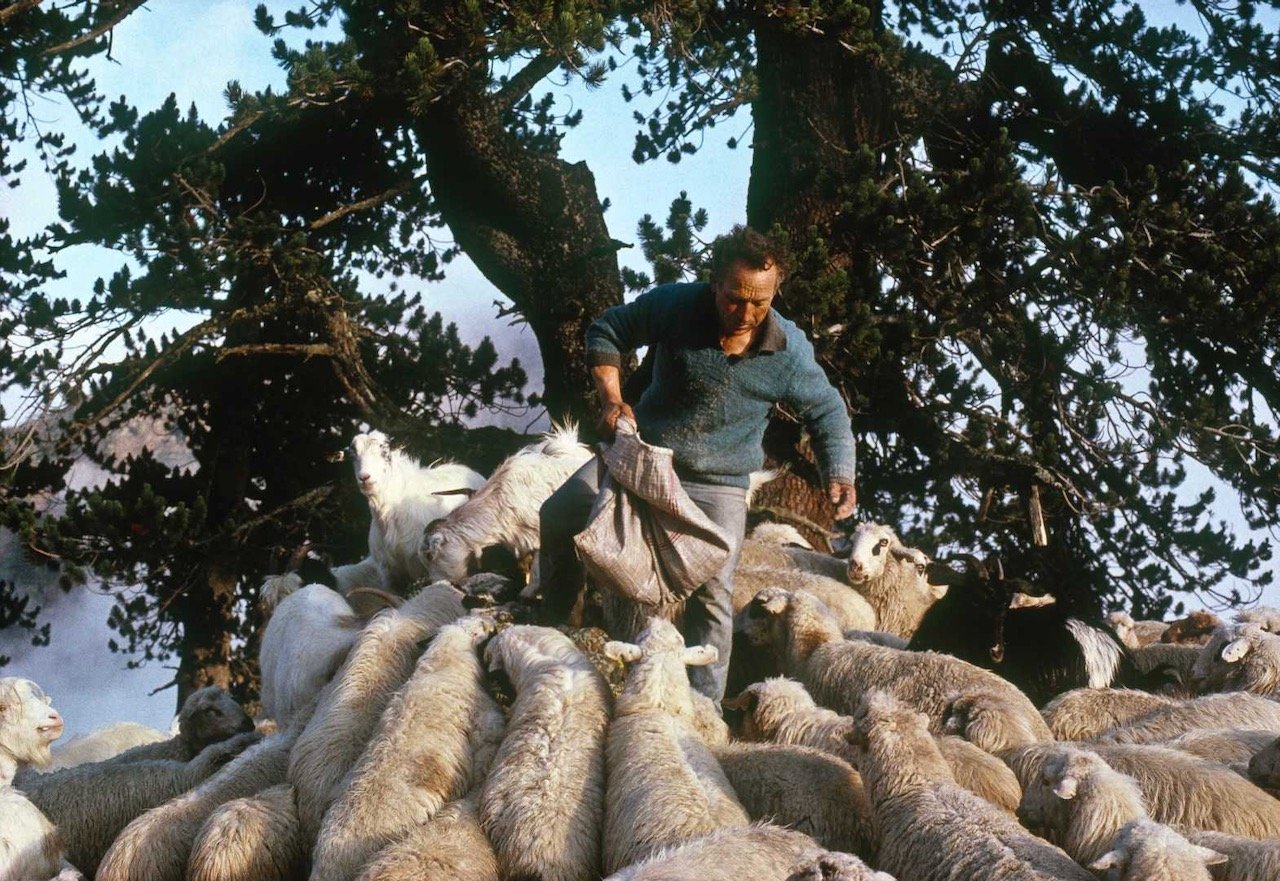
(363, 476)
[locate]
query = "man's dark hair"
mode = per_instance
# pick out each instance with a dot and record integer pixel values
(744, 244)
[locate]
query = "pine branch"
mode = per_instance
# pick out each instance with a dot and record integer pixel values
(16, 8)
(91, 35)
(363, 204)
(523, 81)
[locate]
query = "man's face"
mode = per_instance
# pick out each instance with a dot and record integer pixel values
(743, 297)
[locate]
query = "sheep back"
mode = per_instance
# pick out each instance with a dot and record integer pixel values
(761, 852)
(803, 789)
(1084, 713)
(452, 846)
(251, 839)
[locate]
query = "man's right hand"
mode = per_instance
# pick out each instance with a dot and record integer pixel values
(607, 424)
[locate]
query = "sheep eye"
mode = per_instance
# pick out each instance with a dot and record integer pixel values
(920, 568)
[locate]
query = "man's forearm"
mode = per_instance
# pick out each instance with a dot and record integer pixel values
(608, 380)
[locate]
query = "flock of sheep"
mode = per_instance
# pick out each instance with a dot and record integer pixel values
(882, 724)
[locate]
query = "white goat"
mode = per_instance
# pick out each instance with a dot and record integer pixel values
(504, 511)
(30, 846)
(404, 498)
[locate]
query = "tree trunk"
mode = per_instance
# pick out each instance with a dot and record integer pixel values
(533, 224)
(819, 102)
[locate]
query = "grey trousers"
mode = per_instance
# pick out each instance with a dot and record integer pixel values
(708, 616)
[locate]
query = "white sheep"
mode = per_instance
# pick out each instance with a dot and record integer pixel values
(404, 498)
(780, 710)
(930, 828)
(761, 853)
(157, 845)
(1084, 713)
(771, 555)
(542, 804)
(1233, 747)
(804, 789)
(104, 743)
(435, 741)
(92, 803)
(1180, 789)
(348, 710)
(781, 534)
(303, 645)
(850, 608)
(451, 846)
(209, 715)
(1266, 617)
(255, 838)
(812, 649)
(1081, 803)
(1148, 851)
(1173, 661)
(664, 784)
(893, 577)
(30, 846)
(504, 510)
(1232, 710)
(1242, 657)
(1135, 634)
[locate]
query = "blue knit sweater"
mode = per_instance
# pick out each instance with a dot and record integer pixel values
(711, 408)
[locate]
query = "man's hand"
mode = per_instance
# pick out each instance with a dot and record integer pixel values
(843, 496)
(607, 424)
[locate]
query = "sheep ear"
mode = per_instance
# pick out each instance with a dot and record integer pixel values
(938, 591)
(622, 652)
(1109, 860)
(1209, 857)
(1066, 788)
(745, 701)
(1235, 650)
(700, 656)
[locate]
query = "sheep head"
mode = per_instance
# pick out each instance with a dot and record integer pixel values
(1264, 767)
(1066, 773)
(984, 719)
(1148, 851)
(1197, 627)
(762, 706)
(210, 715)
(28, 725)
(792, 624)
(656, 678)
(1228, 660)
(835, 866)
(870, 548)
(889, 735)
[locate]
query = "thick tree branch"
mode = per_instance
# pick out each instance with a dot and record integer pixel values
(363, 204)
(17, 8)
(93, 34)
(523, 81)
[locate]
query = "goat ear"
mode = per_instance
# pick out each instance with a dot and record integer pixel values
(746, 701)
(622, 652)
(1109, 860)
(1235, 650)
(700, 656)
(1066, 788)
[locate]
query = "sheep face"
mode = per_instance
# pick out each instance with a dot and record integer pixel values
(871, 545)
(1266, 617)
(1123, 625)
(1065, 773)
(211, 715)
(1149, 851)
(446, 560)
(1222, 664)
(371, 460)
(28, 722)
(1264, 767)
(762, 704)
(793, 624)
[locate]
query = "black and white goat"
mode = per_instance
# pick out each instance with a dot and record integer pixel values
(1043, 649)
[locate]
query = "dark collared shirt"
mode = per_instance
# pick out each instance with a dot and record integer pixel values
(710, 408)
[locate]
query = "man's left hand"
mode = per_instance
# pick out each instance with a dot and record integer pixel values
(844, 497)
